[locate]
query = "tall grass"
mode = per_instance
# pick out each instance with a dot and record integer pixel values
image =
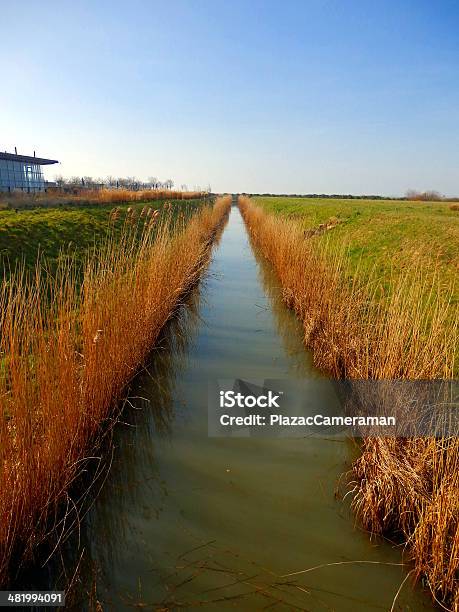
(373, 328)
(58, 197)
(108, 196)
(67, 352)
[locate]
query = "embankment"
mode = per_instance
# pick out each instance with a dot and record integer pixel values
(68, 351)
(55, 232)
(408, 487)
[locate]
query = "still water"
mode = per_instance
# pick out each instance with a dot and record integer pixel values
(186, 521)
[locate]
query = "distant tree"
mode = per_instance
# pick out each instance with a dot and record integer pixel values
(423, 196)
(412, 194)
(432, 196)
(88, 182)
(131, 182)
(152, 180)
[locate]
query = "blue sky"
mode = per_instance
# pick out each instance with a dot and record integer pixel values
(296, 97)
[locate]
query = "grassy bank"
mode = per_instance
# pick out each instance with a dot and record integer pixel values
(71, 231)
(383, 237)
(383, 321)
(66, 360)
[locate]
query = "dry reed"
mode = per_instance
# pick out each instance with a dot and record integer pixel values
(59, 197)
(67, 352)
(357, 330)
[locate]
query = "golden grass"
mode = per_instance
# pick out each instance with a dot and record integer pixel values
(108, 196)
(64, 366)
(58, 197)
(358, 330)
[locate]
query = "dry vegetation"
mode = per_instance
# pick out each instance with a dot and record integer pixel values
(428, 196)
(409, 330)
(58, 197)
(67, 352)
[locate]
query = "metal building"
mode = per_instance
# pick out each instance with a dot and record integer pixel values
(22, 172)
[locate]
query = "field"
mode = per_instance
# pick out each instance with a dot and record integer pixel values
(373, 283)
(382, 237)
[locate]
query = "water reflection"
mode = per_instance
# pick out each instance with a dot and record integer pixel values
(288, 327)
(135, 476)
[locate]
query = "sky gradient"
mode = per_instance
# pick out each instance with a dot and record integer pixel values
(285, 97)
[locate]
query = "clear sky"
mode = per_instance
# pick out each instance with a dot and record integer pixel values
(287, 96)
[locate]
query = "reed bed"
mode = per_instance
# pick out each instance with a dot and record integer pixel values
(360, 328)
(108, 196)
(68, 350)
(76, 196)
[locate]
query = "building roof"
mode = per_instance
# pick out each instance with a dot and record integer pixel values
(28, 159)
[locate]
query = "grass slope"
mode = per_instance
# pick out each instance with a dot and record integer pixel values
(51, 231)
(385, 236)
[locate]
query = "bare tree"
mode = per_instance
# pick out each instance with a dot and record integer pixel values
(132, 182)
(87, 181)
(423, 196)
(432, 195)
(153, 180)
(412, 194)
(129, 182)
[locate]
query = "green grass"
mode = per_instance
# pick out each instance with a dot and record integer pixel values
(385, 236)
(54, 231)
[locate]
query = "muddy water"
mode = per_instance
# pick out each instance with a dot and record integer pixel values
(186, 521)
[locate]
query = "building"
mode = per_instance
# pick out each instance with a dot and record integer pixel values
(22, 172)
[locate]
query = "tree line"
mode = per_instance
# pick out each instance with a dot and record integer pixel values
(111, 182)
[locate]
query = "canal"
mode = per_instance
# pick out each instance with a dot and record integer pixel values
(185, 520)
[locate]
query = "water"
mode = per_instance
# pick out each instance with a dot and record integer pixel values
(186, 521)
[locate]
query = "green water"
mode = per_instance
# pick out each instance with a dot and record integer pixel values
(186, 521)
